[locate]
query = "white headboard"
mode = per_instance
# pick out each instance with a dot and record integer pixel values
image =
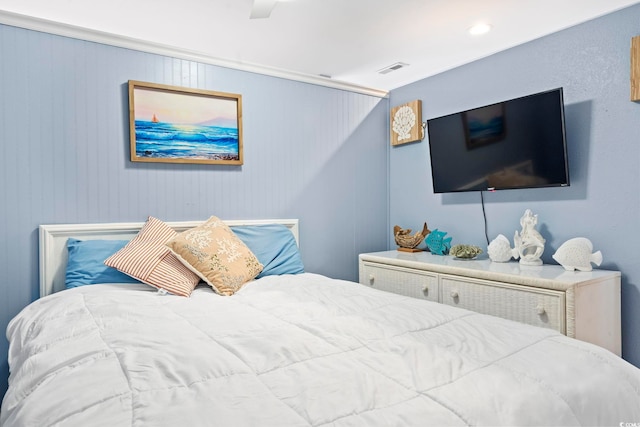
(53, 242)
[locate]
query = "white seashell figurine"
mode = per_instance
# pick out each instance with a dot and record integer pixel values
(500, 250)
(577, 254)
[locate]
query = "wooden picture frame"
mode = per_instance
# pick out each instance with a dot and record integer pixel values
(171, 124)
(406, 123)
(484, 125)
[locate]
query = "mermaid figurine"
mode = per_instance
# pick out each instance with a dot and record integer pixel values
(529, 243)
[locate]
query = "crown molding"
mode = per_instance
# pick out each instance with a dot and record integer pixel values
(75, 32)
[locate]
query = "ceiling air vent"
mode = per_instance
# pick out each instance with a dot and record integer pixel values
(392, 67)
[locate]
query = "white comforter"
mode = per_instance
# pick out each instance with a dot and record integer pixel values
(299, 350)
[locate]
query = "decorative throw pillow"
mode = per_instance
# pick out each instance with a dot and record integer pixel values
(148, 259)
(217, 255)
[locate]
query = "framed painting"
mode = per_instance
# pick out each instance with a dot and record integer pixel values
(484, 125)
(171, 124)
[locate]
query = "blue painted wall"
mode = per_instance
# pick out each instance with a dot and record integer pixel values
(64, 157)
(314, 153)
(591, 62)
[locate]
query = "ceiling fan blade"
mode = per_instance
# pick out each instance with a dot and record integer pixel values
(262, 8)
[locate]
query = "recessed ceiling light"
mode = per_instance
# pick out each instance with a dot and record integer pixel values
(479, 29)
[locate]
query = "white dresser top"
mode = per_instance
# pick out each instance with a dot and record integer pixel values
(545, 276)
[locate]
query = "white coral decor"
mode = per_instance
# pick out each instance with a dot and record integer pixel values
(199, 238)
(403, 121)
(229, 248)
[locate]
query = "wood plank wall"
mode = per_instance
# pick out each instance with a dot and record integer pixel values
(314, 153)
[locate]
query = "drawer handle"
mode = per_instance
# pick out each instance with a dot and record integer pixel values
(425, 289)
(540, 310)
(372, 278)
(454, 294)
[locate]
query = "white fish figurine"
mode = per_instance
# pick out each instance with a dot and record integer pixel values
(577, 254)
(500, 250)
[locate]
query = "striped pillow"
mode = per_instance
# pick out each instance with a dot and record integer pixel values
(148, 259)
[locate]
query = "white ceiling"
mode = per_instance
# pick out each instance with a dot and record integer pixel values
(349, 40)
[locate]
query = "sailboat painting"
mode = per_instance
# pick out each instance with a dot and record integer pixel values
(173, 124)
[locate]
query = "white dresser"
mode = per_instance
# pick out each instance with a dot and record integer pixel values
(583, 305)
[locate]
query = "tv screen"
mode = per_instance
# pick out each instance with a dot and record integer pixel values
(519, 143)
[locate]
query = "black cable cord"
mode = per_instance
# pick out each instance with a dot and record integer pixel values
(484, 216)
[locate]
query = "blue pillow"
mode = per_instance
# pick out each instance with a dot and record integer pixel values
(274, 246)
(85, 265)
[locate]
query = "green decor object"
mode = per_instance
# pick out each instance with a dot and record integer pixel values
(465, 251)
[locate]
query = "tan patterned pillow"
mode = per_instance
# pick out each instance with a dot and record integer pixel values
(217, 255)
(147, 258)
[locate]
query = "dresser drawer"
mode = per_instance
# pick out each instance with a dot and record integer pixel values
(534, 306)
(403, 281)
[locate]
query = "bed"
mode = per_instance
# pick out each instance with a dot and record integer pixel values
(290, 350)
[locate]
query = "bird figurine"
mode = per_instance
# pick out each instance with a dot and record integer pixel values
(406, 241)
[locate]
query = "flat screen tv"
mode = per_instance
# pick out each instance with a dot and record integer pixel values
(519, 143)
